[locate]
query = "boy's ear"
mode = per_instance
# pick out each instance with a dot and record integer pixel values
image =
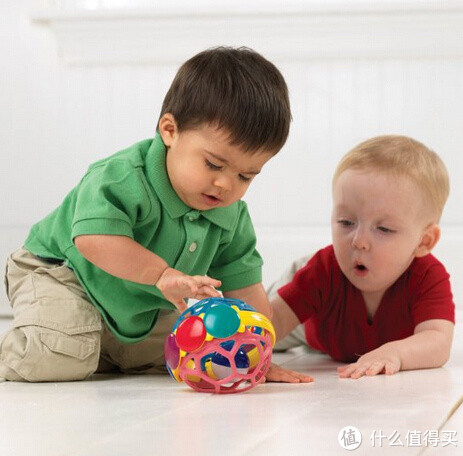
(167, 127)
(429, 239)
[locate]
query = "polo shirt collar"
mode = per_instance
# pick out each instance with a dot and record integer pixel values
(156, 171)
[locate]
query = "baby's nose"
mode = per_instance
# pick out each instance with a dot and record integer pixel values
(360, 240)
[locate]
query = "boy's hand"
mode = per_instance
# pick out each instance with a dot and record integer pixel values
(176, 286)
(384, 359)
(278, 374)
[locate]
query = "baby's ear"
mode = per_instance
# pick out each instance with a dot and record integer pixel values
(429, 239)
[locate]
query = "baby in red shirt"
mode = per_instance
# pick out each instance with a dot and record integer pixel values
(376, 298)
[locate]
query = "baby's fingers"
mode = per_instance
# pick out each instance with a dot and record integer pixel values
(390, 368)
(359, 372)
(302, 377)
(376, 368)
(281, 375)
(346, 371)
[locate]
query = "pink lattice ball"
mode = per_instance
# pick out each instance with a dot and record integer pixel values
(220, 345)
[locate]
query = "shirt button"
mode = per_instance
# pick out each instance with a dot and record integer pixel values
(193, 247)
(193, 215)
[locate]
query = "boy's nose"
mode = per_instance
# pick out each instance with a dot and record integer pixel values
(360, 240)
(223, 182)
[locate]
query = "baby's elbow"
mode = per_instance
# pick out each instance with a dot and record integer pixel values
(443, 352)
(444, 356)
(270, 313)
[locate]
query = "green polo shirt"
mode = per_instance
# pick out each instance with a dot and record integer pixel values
(129, 194)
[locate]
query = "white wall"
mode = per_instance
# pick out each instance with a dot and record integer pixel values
(56, 118)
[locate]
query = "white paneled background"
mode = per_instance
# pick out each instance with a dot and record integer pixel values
(79, 84)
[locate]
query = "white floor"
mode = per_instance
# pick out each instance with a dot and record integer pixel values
(153, 415)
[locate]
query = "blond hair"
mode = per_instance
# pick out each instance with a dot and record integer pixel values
(402, 156)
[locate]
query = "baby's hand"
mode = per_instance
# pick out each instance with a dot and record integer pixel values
(176, 286)
(278, 374)
(383, 360)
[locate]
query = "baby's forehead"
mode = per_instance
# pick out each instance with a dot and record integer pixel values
(389, 179)
(378, 191)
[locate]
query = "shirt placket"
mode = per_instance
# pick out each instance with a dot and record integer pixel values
(194, 240)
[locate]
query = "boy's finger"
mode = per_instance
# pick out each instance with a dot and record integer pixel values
(181, 305)
(207, 291)
(205, 280)
(192, 285)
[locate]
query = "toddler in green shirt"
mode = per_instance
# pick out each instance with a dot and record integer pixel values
(94, 286)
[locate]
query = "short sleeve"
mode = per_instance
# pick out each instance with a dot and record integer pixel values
(432, 295)
(237, 262)
(304, 293)
(110, 200)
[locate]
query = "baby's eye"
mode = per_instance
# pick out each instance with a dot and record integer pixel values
(212, 166)
(344, 222)
(383, 229)
(244, 178)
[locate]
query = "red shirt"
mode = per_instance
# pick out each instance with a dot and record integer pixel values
(335, 315)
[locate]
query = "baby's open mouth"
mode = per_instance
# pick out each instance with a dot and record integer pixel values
(360, 269)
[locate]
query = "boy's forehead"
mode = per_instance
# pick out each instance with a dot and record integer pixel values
(218, 143)
(217, 138)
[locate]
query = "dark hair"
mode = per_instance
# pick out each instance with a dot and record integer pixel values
(235, 89)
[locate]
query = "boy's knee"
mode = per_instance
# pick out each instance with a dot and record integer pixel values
(38, 354)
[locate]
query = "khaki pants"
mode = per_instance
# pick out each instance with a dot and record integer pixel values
(58, 335)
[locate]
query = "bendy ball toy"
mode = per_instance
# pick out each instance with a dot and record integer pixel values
(220, 345)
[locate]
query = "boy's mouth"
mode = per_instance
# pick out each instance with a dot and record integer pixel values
(210, 200)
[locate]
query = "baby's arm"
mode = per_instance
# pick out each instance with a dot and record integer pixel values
(125, 258)
(255, 296)
(284, 321)
(428, 347)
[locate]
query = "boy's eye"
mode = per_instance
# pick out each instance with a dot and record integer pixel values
(212, 166)
(344, 222)
(244, 178)
(385, 230)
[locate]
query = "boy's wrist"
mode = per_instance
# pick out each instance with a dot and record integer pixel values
(154, 271)
(160, 274)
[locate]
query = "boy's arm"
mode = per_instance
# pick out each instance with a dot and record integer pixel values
(428, 347)
(125, 258)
